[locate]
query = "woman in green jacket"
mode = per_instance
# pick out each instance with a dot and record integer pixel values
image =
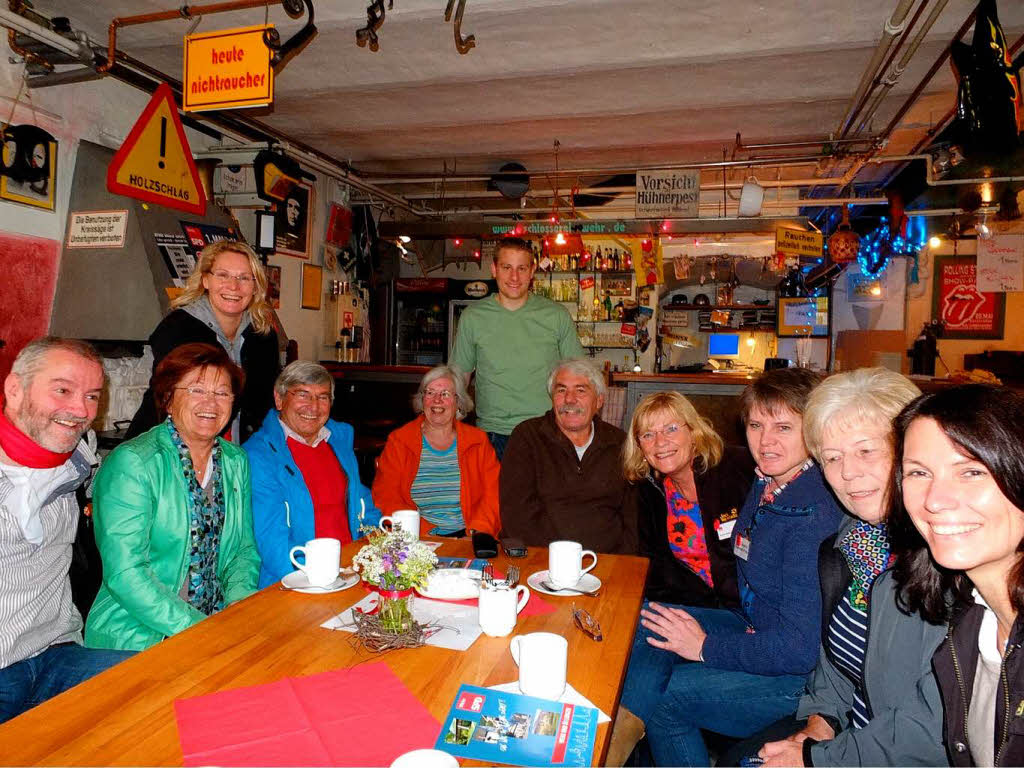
(173, 510)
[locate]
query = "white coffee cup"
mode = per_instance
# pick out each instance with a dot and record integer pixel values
(499, 607)
(542, 659)
(425, 758)
(565, 563)
(323, 561)
(407, 519)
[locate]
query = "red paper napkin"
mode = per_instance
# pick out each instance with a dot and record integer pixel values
(359, 716)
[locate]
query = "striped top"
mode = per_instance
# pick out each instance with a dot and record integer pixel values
(35, 593)
(436, 488)
(848, 642)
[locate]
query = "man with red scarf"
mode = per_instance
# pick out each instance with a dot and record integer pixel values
(50, 399)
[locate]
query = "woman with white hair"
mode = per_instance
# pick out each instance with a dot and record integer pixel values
(440, 466)
(224, 302)
(872, 699)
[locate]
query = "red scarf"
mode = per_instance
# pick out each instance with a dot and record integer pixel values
(26, 451)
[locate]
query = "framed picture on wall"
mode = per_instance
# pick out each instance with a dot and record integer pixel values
(29, 174)
(966, 312)
(293, 222)
(312, 286)
(274, 286)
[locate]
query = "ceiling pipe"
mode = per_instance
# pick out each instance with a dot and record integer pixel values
(741, 147)
(68, 77)
(768, 183)
(402, 178)
(892, 29)
(831, 202)
(968, 22)
(184, 12)
(886, 84)
(929, 176)
(80, 49)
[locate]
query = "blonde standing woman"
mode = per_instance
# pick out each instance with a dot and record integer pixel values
(224, 303)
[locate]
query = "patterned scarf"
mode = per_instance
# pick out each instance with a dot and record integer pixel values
(866, 549)
(686, 532)
(206, 521)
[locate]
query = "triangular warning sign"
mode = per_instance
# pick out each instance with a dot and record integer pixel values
(155, 163)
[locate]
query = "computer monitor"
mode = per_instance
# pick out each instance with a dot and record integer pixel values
(724, 346)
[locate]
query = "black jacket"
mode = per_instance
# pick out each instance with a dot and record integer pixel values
(720, 492)
(955, 663)
(548, 494)
(260, 361)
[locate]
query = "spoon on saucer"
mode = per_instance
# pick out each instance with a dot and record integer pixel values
(552, 588)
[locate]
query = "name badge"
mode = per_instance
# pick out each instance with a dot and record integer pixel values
(725, 523)
(741, 546)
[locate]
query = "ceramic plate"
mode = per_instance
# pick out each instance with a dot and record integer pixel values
(452, 584)
(588, 583)
(297, 581)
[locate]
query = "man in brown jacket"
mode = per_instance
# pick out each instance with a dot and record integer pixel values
(561, 477)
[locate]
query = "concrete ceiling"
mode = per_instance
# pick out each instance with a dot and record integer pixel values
(618, 83)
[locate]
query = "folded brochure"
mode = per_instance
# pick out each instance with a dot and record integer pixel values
(510, 728)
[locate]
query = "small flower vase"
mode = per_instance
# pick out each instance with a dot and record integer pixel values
(394, 610)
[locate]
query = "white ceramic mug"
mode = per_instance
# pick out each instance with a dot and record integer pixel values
(565, 563)
(407, 519)
(425, 758)
(499, 607)
(542, 659)
(323, 561)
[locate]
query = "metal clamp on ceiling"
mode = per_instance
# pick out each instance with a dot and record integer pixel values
(188, 11)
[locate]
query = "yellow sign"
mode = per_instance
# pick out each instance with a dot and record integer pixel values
(648, 264)
(227, 69)
(155, 163)
(796, 242)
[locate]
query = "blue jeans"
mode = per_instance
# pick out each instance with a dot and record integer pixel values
(498, 442)
(32, 681)
(676, 698)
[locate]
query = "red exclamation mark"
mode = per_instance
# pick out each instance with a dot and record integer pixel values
(163, 141)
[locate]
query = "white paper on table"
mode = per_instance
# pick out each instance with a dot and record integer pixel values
(570, 696)
(432, 544)
(460, 625)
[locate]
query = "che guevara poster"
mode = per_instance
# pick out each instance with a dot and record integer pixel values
(967, 312)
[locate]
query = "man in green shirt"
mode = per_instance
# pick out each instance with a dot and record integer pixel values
(512, 340)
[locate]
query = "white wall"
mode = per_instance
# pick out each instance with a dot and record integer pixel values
(104, 111)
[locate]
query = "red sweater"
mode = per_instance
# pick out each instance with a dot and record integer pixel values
(328, 487)
(478, 470)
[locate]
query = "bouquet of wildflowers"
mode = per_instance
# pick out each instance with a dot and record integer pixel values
(394, 560)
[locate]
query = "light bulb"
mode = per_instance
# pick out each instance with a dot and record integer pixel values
(560, 238)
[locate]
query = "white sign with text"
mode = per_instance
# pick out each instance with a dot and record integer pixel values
(97, 229)
(667, 194)
(1000, 260)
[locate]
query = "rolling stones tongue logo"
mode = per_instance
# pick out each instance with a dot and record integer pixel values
(961, 304)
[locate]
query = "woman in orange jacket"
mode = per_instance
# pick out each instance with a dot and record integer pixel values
(440, 466)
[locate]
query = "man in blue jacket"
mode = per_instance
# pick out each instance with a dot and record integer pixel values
(305, 480)
(729, 672)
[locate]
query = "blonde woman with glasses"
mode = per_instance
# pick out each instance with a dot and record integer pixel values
(692, 487)
(225, 303)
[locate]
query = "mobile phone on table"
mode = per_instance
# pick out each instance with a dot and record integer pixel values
(513, 547)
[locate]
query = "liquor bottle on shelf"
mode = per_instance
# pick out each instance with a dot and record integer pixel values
(598, 258)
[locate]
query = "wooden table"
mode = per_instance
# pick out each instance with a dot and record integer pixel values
(125, 716)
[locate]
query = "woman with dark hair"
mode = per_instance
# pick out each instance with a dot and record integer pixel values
(225, 303)
(958, 528)
(173, 510)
